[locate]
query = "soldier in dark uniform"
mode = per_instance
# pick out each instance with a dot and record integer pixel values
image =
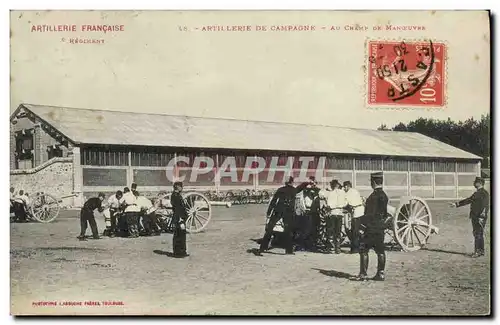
(373, 223)
(180, 215)
(479, 209)
(87, 216)
(283, 204)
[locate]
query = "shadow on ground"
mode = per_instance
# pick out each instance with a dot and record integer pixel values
(444, 251)
(160, 252)
(169, 254)
(335, 274)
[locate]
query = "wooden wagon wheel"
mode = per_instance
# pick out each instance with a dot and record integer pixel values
(164, 220)
(265, 196)
(44, 208)
(412, 223)
(199, 212)
(229, 197)
(244, 197)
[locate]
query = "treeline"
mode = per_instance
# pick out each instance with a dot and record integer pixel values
(470, 135)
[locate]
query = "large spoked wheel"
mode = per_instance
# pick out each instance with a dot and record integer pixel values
(229, 197)
(412, 223)
(44, 208)
(199, 212)
(164, 220)
(265, 196)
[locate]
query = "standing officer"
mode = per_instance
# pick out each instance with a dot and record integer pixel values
(354, 203)
(374, 224)
(282, 207)
(479, 208)
(87, 216)
(180, 210)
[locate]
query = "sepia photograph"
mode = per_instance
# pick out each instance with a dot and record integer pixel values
(209, 163)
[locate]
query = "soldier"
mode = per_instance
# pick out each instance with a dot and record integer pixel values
(180, 215)
(374, 225)
(20, 206)
(282, 207)
(354, 203)
(132, 211)
(12, 197)
(479, 209)
(148, 215)
(333, 214)
(336, 201)
(87, 216)
(114, 203)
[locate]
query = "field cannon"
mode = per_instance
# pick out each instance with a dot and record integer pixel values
(409, 224)
(199, 211)
(43, 207)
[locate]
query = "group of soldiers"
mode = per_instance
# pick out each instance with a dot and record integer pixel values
(368, 219)
(19, 203)
(124, 210)
(315, 216)
(122, 213)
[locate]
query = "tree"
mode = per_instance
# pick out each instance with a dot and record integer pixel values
(470, 135)
(383, 127)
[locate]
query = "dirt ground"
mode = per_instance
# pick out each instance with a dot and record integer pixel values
(48, 264)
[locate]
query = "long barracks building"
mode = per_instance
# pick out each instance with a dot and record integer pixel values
(64, 151)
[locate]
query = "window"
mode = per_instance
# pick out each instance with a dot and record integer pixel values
(54, 151)
(339, 163)
(421, 166)
(396, 165)
(24, 149)
(24, 142)
(444, 166)
(368, 164)
(467, 167)
(104, 157)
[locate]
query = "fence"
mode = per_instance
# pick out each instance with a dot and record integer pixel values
(111, 170)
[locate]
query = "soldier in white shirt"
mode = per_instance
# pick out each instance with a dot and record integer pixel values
(20, 206)
(113, 206)
(148, 215)
(132, 211)
(354, 203)
(336, 201)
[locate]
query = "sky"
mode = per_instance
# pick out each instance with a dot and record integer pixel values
(318, 77)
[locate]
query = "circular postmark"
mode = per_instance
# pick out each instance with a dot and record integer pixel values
(402, 70)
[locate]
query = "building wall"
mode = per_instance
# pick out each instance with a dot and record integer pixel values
(41, 140)
(108, 170)
(54, 177)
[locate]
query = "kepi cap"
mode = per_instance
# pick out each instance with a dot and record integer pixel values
(479, 180)
(377, 178)
(334, 182)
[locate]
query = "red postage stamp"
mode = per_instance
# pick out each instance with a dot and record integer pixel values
(406, 73)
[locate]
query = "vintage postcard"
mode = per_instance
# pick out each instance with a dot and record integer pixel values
(250, 163)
